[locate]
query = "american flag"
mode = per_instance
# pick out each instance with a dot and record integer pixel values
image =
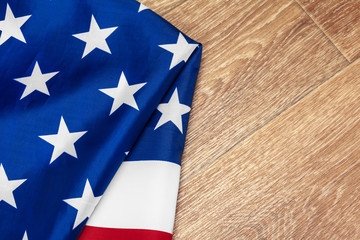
(95, 98)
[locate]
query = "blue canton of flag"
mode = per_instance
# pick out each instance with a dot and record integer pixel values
(94, 103)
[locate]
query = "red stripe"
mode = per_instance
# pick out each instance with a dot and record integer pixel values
(98, 233)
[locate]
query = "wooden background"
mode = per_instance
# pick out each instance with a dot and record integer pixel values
(273, 146)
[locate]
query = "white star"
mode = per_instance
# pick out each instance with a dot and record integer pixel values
(123, 93)
(172, 112)
(37, 81)
(84, 205)
(7, 187)
(95, 37)
(63, 141)
(142, 7)
(10, 26)
(25, 237)
(181, 50)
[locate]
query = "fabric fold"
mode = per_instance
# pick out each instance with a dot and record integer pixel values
(85, 86)
(142, 195)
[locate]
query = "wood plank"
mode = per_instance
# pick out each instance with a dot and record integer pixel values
(296, 178)
(260, 57)
(162, 6)
(340, 21)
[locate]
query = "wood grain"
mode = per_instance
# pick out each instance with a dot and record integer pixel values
(162, 6)
(340, 20)
(260, 57)
(296, 178)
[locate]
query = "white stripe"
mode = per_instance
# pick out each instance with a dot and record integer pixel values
(142, 195)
